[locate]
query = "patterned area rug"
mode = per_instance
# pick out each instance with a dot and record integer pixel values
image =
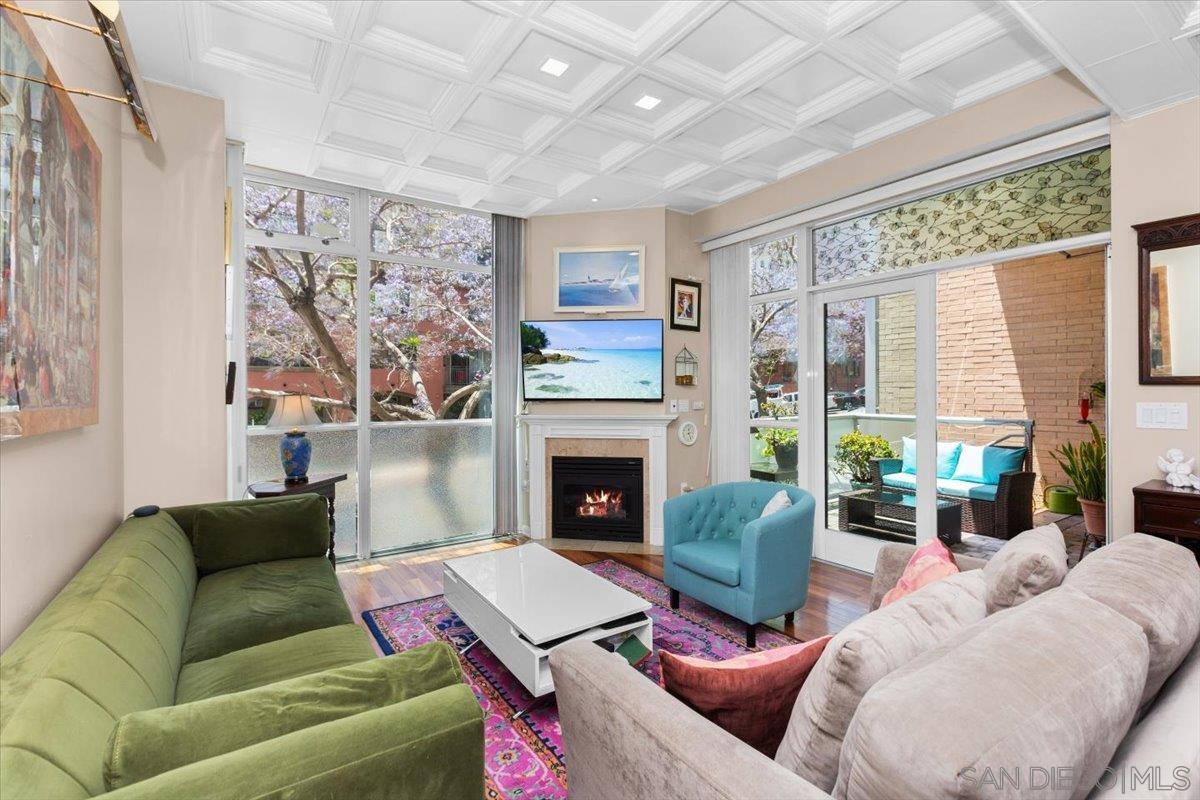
(524, 759)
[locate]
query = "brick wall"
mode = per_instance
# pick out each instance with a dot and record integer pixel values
(1020, 339)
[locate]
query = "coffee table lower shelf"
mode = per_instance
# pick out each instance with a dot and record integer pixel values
(893, 516)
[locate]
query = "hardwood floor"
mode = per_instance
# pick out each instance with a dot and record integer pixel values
(836, 596)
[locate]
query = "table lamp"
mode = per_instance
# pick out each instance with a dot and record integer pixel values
(295, 449)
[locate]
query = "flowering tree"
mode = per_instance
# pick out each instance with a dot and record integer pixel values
(302, 306)
(773, 331)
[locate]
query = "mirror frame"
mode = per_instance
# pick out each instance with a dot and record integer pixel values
(1152, 236)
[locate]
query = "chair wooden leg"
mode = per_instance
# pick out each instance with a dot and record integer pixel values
(750, 638)
(675, 599)
(789, 618)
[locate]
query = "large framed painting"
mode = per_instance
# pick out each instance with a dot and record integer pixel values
(594, 280)
(50, 276)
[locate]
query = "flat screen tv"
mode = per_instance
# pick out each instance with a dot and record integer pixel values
(592, 359)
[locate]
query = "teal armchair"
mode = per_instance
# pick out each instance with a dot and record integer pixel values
(718, 550)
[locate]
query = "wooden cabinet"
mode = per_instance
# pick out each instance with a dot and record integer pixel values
(1162, 510)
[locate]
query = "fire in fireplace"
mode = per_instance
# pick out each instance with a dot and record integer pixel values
(596, 498)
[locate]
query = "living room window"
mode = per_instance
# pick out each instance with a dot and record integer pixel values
(336, 277)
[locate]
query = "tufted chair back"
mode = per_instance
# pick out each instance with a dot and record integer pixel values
(723, 510)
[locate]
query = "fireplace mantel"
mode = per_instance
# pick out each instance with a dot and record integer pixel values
(650, 427)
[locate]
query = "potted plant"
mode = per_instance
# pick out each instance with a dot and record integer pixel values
(853, 454)
(1085, 465)
(780, 443)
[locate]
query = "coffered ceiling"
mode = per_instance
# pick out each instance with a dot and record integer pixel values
(682, 103)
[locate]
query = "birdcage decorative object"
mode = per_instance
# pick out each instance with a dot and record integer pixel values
(685, 368)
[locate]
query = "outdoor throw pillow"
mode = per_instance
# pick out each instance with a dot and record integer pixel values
(750, 696)
(947, 457)
(931, 562)
(777, 503)
(985, 464)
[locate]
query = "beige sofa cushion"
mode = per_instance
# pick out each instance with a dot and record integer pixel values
(1027, 565)
(1167, 738)
(1156, 584)
(861, 654)
(1053, 683)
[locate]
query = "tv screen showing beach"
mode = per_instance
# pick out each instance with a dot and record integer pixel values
(606, 359)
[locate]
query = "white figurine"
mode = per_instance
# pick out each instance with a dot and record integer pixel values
(1178, 471)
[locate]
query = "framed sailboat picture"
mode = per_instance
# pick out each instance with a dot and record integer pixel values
(596, 280)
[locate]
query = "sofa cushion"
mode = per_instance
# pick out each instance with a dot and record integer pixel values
(1166, 738)
(1027, 565)
(717, 559)
(1156, 584)
(947, 457)
(863, 653)
(930, 562)
(986, 463)
(227, 536)
(244, 606)
(147, 743)
(280, 660)
(1051, 685)
(948, 486)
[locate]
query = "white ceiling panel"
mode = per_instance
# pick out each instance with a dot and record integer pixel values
(682, 103)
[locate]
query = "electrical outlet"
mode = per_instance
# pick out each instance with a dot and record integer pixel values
(698, 405)
(674, 406)
(1171, 416)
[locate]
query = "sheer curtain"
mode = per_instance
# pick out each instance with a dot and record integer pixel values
(508, 235)
(729, 458)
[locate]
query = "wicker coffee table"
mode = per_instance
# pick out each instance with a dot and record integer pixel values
(893, 515)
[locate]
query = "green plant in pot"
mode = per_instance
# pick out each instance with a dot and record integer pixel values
(853, 453)
(1086, 465)
(780, 443)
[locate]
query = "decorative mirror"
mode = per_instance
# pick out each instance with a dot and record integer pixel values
(1169, 300)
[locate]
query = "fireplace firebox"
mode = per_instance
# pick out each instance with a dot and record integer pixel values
(596, 498)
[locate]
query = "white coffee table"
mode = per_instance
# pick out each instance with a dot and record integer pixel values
(524, 601)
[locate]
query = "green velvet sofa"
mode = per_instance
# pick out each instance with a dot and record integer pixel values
(207, 652)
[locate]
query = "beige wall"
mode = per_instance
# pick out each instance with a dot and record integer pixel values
(173, 214)
(161, 432)
(61, 493)
(1047, 104)
(669, 252)
(1155, 175)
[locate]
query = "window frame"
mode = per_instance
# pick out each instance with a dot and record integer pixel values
(358, 245)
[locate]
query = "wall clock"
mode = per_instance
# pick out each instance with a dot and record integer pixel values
(688, 433)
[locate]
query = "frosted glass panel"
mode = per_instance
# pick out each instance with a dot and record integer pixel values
(429, 482)
(332, 451)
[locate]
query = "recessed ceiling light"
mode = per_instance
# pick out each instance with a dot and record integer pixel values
(595, 199)
(553, 66)
(648, 102)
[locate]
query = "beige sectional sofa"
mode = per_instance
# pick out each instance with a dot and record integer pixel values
(1012, 679)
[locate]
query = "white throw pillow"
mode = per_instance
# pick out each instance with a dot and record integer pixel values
(777, 503)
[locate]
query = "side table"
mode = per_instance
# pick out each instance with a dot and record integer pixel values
(323, 485)
(1163, 510)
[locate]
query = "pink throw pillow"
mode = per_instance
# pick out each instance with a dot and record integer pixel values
(750, 696)
(930, 563)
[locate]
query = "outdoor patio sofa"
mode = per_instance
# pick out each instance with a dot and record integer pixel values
(995, 491)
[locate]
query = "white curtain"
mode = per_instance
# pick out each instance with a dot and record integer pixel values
(729, 456)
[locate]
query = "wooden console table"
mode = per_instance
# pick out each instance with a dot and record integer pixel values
(323, 485)
(1160, 509)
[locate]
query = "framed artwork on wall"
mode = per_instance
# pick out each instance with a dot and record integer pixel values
(50, 276)
(596, 280)
(685, 305)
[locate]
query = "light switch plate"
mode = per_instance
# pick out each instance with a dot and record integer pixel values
(684, 405)
(1171, 416)
(698, 405)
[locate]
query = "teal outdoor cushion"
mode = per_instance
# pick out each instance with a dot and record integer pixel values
(949, 486)
(280, 660)
(245, 606)
(227, 536)
(148, 743)
(718, 559)
(947, 457)
(986, 463)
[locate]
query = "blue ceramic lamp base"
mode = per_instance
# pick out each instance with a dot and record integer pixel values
(295, 453)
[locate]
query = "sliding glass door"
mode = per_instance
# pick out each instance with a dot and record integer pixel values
(365, 320)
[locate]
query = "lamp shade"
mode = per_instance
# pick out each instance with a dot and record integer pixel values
(293, 411)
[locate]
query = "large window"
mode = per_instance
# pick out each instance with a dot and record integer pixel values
(774, 360)
(335, 278)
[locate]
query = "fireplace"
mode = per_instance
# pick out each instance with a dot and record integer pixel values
(597, 498)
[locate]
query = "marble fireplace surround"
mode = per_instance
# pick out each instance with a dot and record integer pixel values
(643, 436)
